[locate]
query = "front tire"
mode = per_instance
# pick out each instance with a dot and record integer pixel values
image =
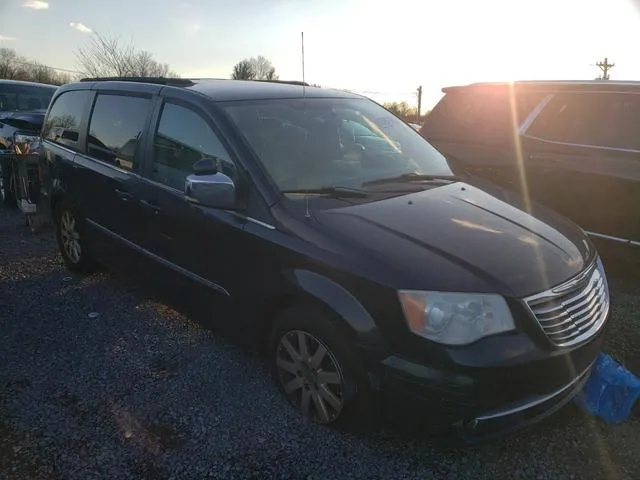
(72, 242)
(316, 367)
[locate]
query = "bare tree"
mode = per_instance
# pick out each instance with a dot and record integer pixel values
(108, 57)
(255, 68)
(243, 70)
(8, 65)
(271, 74)
(44, 74)
(402, 110)
(263, 68)
(16, 67)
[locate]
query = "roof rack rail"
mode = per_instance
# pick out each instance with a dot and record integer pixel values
(288, 82)
(177, 82)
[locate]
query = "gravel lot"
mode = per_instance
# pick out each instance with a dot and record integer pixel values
(141, 391)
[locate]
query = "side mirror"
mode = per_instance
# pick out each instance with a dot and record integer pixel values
(206, 166)
(214, 190)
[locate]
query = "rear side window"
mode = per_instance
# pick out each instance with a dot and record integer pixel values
(621, 126)
(594, 119)
(569, 118)
(62, 125)
(24, 97)
(183, 137)
(484, 115)
(116, 128)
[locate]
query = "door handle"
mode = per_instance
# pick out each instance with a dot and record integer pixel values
(152, 205)
(124, 196)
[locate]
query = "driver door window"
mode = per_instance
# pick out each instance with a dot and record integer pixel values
(182, 138)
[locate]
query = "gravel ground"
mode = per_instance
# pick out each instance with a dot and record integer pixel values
(140, 391)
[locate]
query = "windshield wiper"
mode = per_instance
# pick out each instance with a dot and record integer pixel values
(338, 192)
(412, 177)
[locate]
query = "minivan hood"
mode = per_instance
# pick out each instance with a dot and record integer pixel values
(514, 252)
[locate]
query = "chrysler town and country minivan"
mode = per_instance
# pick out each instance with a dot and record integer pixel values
(327, 231)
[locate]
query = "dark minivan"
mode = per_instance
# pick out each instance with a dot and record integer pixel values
(330, 234)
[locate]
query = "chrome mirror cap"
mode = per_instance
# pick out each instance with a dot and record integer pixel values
(215, 190)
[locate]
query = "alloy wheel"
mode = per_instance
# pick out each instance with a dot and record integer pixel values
(310, 376)
(70, 237)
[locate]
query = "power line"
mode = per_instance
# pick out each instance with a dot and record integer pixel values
(383, 93)
(47, 66)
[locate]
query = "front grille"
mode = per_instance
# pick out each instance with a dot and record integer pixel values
(574, 311)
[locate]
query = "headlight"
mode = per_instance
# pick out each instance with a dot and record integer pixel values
(25, 144)
(455, 318)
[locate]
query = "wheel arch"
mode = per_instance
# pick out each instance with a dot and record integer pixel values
(313, 290)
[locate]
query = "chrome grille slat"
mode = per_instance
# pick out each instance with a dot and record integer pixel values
(573, 316)
(565, 303)
(573, 312)
(593, 296)
(574, 332)
(574, 323)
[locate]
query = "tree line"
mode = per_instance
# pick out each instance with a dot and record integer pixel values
(107, 56)
(17, 67)
(405, 111)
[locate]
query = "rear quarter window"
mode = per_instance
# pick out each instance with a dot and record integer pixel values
(15, 97)
(62, 125)
(484, 115)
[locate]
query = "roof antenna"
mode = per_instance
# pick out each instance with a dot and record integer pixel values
(307, 209)
(303, 82)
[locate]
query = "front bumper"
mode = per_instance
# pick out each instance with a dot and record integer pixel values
(481, 403)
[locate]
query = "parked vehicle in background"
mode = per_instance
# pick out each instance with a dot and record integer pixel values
(22, 109)
(571, 145)
(330, 234)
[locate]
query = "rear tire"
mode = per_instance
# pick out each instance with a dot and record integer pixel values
(316, 367)
(70, 233)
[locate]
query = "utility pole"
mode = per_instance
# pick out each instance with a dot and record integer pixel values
(419, 102)
(605, 67)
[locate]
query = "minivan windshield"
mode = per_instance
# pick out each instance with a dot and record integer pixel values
(15, 97)
(315, 143)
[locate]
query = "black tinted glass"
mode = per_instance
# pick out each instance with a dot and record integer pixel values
(116, 126)
(318, 142)
(620, 125)
(484, 114)
(24, 97)
(184, 137)
(573, 118)
(65, 117)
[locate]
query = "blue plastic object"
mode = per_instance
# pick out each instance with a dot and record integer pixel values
(610, 392)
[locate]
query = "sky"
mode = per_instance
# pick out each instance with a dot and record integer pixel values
(384, 49)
